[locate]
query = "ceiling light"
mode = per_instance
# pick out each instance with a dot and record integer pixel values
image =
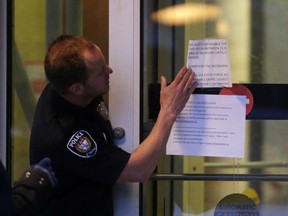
(182, 14)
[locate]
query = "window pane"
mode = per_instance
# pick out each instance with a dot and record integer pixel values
(36, 24)
(29, 47)
(256, 34)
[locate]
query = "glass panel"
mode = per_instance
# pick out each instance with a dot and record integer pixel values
(28, 76)
(256, 34)
(36, 24)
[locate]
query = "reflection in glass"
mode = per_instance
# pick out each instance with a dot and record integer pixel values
(255, 31)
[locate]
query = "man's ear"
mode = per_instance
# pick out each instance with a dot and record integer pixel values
(76, 89)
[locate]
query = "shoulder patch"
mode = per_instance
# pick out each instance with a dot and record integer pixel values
(82, 144)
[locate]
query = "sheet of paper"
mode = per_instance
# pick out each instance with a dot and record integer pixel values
(210, 61)
(210, 125)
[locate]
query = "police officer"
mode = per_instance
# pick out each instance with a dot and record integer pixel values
(71, 125)
(31, 191)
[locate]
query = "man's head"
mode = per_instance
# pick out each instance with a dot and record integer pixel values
(76, 65)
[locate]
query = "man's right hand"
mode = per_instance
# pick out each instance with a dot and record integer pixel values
(174, 97)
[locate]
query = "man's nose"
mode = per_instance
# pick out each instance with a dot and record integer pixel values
(109, 70)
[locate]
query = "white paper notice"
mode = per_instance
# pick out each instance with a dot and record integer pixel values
(211, 63)
(210, 125)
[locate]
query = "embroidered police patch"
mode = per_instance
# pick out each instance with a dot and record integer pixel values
(82, 144)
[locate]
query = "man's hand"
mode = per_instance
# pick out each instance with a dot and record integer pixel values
(40, 176)
(174, 97)
(44, 167)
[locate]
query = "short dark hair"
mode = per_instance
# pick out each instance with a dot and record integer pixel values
(64, 62)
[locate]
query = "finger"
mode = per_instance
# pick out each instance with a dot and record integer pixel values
(190, 80)
(45, 162)
(181, 74)
(193, 86)
(163, 82)
(187, 79)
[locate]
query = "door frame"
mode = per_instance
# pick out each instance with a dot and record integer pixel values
(124, 94)
(3, 81)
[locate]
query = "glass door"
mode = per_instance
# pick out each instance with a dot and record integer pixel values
(256, 33)
(35, 25)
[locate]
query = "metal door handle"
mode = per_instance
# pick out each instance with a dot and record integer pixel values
(119, 133)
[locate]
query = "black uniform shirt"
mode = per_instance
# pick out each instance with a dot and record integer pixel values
(79, 142)
(5, 192)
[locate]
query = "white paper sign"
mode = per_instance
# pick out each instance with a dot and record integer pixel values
(209, 59)
(210, 125)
